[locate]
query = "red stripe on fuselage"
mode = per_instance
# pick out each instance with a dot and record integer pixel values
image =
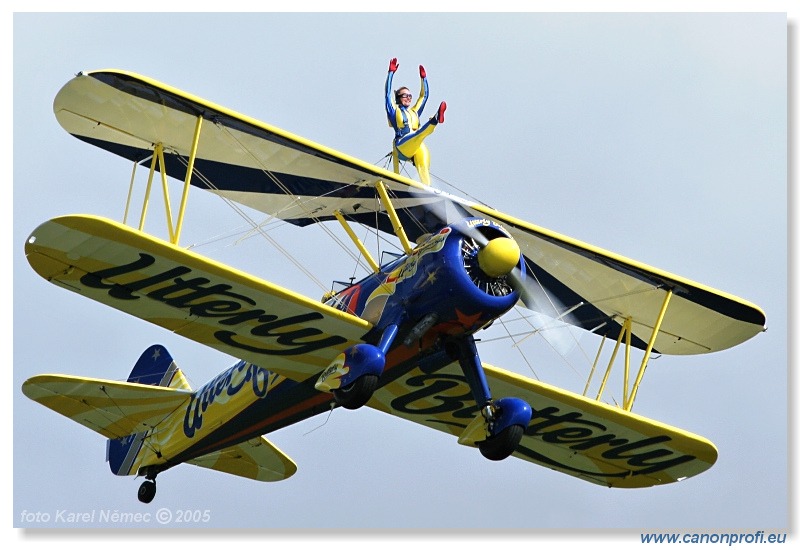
(397, 356)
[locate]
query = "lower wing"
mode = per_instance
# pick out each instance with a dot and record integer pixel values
(568, 433)
(191, 295)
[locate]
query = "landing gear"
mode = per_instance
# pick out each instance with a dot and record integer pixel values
(357, 394)
(502, 444)
(147, 491)
(353, 376)
(504, 419)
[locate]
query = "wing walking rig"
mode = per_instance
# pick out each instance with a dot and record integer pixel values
(401, 340)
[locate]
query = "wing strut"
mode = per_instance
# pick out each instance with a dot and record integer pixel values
(130, 193)
(627, 330)
(594, 366)
(158, 160)
(398, 227)
(656, 328)
(189, 173)
(367, 256)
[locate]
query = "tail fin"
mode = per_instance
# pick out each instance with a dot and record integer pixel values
(155, 367)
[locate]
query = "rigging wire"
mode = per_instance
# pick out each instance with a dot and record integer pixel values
(534, 329)
(145, 435)
(273, 220)
(328, 417)
(258, 229)
(519, 349)
(274, 178)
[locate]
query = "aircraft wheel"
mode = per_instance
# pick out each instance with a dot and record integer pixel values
(147, 491)
(356, 394)
(502, 444)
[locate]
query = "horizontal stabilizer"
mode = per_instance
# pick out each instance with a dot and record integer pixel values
(112, 409)
(256, 459)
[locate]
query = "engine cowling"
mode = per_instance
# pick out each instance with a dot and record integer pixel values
(476, 273)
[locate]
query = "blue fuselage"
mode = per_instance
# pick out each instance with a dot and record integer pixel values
(433, 296)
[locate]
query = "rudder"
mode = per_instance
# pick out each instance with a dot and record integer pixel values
(155, 367)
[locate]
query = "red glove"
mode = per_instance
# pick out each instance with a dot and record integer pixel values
(422, 72)
(393, 65)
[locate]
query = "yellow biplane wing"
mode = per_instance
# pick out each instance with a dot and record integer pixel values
(191, 295)
(237, 157)
(302, 182)
(568, 433)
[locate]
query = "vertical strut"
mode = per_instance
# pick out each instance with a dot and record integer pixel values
(594, 366)
(153, 163)
(628, 330)
(130, 193)
(158, 160)
(650, 344)
(189, 173)
(625, 329)
(165, 188)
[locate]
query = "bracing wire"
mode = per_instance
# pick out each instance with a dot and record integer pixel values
(260, 231)
(258, 228)
(273, 220)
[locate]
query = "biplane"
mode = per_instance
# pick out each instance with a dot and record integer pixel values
(402, 340)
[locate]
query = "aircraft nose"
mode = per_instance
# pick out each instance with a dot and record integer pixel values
(499, 257)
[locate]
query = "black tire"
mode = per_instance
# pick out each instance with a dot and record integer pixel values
(147, 491)
(356, 394)
(501, 445)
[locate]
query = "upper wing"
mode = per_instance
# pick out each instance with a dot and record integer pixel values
(112, 409)
(303, 182)
(608, 289)
(239, 158)
(256, 459)
(567, 433)
(190, 295)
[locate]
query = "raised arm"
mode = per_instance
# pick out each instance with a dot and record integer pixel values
(390, 104)
(423, 91)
